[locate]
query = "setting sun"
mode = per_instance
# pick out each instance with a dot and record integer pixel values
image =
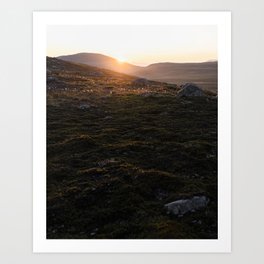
(120, 59)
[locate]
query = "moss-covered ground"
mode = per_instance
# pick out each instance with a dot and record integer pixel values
(115, 159)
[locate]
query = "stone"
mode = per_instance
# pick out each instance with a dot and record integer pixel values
(190, 89)
(51, 78)
(84, 106)
(106, 162)
(183, 206)
(140, 81)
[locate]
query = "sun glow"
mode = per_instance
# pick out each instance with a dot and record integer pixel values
(136, 44)
(120, 59)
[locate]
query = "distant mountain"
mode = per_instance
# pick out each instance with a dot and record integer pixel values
(203, 74)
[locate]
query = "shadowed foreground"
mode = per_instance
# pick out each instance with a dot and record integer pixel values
(114, 159)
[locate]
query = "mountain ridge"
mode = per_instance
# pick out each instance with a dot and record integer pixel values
(203, 74)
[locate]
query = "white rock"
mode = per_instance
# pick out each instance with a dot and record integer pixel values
(84, 106)
(190, 89)
(183, 206)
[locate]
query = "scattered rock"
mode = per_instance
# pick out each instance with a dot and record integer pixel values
(183, 206)
(190, 89)
(94, 232)
(140, 82)
(105, 162)
(209, 156)
(84, 106)
(51, 78)
(108, 117)
(197, 222)
(146, 94)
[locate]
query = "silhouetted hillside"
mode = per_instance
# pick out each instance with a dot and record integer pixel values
(203, 74)
(101, 61)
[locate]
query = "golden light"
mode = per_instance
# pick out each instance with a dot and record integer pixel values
(121, 59)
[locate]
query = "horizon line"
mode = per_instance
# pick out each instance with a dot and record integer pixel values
(125, 61)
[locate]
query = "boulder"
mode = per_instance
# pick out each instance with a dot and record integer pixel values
(140, 82)
(183, 206)
(190, 89)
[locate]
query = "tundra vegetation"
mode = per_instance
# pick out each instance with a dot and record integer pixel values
(119, 149)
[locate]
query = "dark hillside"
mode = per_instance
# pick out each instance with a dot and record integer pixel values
(119, 148)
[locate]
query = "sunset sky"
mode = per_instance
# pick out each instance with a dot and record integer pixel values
(140, 45)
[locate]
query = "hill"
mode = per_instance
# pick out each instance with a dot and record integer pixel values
(68, 76)
(101, 61)
(204, 74)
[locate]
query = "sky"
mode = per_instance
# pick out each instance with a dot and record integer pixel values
(139, 45)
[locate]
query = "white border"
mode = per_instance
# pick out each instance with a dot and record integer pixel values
(223, 21)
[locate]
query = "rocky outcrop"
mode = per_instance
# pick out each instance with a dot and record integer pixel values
(190, 89)
(183, 206)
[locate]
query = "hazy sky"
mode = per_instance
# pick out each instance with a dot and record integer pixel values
(140, 45)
